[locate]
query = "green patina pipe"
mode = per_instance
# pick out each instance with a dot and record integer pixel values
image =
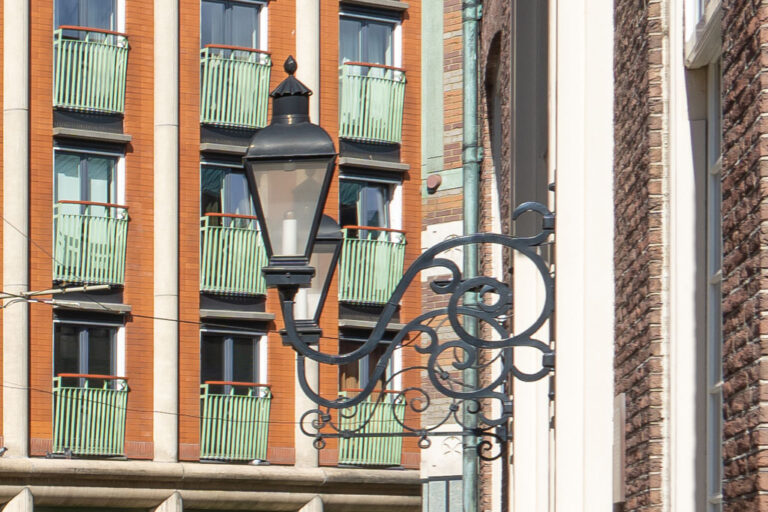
(471, 177)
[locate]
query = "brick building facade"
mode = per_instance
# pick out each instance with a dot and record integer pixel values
(133, 119)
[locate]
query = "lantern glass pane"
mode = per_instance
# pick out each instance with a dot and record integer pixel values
(289, 193)
(321, 260)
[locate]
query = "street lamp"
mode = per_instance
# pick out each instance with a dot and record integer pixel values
(289, 165)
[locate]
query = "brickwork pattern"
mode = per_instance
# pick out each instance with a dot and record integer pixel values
(744, 285)
(638, 174)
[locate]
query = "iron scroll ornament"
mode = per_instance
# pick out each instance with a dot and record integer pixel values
(444, 359)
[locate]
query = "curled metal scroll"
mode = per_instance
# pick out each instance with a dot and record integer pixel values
(445, 358)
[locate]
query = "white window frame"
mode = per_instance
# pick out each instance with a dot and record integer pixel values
(119, 165)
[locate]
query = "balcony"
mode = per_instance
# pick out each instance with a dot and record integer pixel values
(89, 69)
(232, 255)
(89, 419)
(371, 102)
(234, 86)
(372, 417)
(371, 264)
(235, 422)
(90, 240)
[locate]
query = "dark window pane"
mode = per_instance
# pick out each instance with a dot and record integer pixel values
(98, 14)
(243, 359)
(66, 349)
(100, 347)
(377, 43)
(212, 23)
(67, 12)
(349, 40)
(212, 358)
(245, 25)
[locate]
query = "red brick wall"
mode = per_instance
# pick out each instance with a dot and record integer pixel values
(744, 238)
(638, 252)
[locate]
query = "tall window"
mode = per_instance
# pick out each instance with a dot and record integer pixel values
(714, 294)
(230, 23)
(84, 349)
(86, 13)
(358, 374)
(366, 38)
(224, 189)
(364, 203)
(229, 357)
(85, 176)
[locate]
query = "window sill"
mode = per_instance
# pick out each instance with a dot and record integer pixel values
(705, 45)
(102, 307)
(256, 316)
(376, 165)
(229, 149)
(99, 136)
(391, 5)
(367, 324)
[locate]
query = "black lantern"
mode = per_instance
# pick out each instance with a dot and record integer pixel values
(324, 257)
(289, 165)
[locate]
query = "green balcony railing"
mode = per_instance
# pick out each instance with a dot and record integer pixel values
(234, 86)
(371, 102)
(90, 242)
(90, 67)
(232, 255)
(89, 417)
(372, 417)
(371, 264)
(235, 420)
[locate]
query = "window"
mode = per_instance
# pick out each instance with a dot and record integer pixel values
(224, 189)
(86, 13)
(230, 23)
(364, 203)
(714, 295)
(84, 349)
(82, 176)
(366, 38)
(230, 357)
(358, 374)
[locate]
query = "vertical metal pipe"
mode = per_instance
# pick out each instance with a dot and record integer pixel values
(471, 177)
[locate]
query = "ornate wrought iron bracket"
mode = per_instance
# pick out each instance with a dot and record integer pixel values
(444, 349)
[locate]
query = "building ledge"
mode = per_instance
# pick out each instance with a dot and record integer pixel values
(377, 165)
(254, 316)
(144, 484)
(368, 324)
(230, 149)
(99, 307)
(100, 136)
(390, 5)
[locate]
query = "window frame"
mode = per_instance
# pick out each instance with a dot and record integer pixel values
(258, 337)
(117, 343)
(382, 17)
(714, 248)
(262, 22)
(119, 169)
(395, 203)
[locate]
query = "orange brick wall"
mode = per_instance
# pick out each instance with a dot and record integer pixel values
(189, 228)
(138, 291)
(139, 165)
(41, 214)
